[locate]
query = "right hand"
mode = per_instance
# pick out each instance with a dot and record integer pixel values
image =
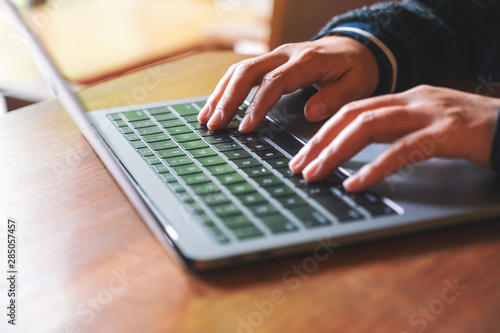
(343, 70)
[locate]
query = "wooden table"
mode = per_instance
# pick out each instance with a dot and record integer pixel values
(89, 264)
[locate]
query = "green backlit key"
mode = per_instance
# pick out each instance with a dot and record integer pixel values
(236, 154)
(197, 153)
(252, 198)
(149, 130)
(172, 152)
(192, 118)
(220, 169)
(138, 144)
(168, 178)
(225, 209)
(165, 116)
(114, 116)
(146, 152)
(186, 137)
(215, 199)
(171, 123)
(156, 137)
(263, 209)
(135, 115)
(247, 163)
(211, 160)
(163, 145)
(132, 137)
(160, 110)
(126, 130)
(230, 178)
(268, 181)
(178, 160)
(195, 179)
(204, 189)
(142, 123)
(186, 169)
(191, 145)
(178, 130)
(185, 109)
(237, 189)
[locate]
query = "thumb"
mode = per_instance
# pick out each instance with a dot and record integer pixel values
(352, 86)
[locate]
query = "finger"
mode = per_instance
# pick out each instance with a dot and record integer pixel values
(245, 76)
(331, 98)
(333, 127)
(407, 150)
(289, 77)
(384, 125)
(207, 111)
(338, 122)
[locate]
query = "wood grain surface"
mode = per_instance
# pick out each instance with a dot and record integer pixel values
(87, 263)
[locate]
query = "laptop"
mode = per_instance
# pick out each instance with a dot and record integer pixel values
(216, 199)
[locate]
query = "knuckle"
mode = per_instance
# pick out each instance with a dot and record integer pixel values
(244, 66)
(273, 77)
(366, 118)
(285, 48)
(310, 53)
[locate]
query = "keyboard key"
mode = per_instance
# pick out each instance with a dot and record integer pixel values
(237, 221)
(280, 191)
(126, 130)
(216, 233)
(286, 172)
(247, 163)
(279, 162)
(263, 209)
(156, 137)
(191, 119)
(178, 160)
(191, 145)
(247, 232)
(236, 154)
(163, 145)
(195, 179)
(233, 124)
(309, 217)
(379, 209)
(204, 131)
(218, 138)
(135, 115)
(278, 224)
(234, 132)
(186, 169)
(215, 199)
(269, 154)
(225, 209)
(121, 123)
(252, 198)
(258, 146)
(185, 198)
(226, 146)
(265, 181)
(160, 168)
(114, 116)
(299, 181)
(142, 123)
(153, 160)
(168, 177)
(292, 201)
(176, 187)
(185, 109)
(203, 189)
(203, 152)
(242, 188)
(149, 130)
(160, 110)
(178, 130)
(316, 190)
(194, 207)
(146, 152)
(230, 178)
(341, 210)
(211, 160)
(171, 152)
(186, 137)
(220, 169)
(249, 138)
(257, 171)
(171, 123)
(138, 144)
(165, 116)
(132, 137)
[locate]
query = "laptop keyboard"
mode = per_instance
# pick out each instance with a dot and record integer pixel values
(238, 186)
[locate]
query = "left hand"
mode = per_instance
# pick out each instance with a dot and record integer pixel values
(420, 123)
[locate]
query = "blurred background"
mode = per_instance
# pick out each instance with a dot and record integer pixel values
(95, 40)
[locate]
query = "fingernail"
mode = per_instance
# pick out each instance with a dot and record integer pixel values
(296, 162)
(318, 111)
(351, 183)
(203, 115)
(245, 123)
(311, 170)
(215, 119)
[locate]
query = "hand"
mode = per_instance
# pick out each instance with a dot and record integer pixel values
(343, 69)
(421, 123)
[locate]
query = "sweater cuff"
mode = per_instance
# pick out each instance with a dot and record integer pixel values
(495, 148)
(365, 34)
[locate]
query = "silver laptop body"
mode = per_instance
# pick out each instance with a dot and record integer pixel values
(429, 195)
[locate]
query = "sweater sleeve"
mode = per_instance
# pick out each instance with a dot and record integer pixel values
(432, 39)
